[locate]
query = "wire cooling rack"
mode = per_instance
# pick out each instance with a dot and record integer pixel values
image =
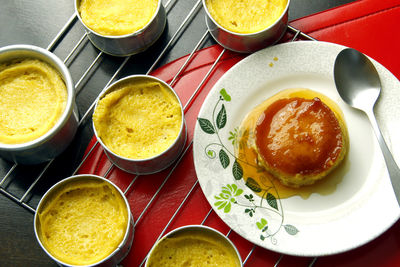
(27, 192)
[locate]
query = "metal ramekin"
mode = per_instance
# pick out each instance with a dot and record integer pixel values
(129, 44)
(51, 144)
(198, 228)
(249, 42)
(158, 162)
(123, 248)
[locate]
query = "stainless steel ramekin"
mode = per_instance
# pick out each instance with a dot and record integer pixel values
(197, 228)
(158, 162)
(129, 44)
(123, 248)
(250, 42)
(51, 144)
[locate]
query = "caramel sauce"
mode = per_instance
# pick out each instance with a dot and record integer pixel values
(298, 136)
(248, 157)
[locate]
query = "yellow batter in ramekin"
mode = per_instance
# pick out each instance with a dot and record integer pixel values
(83, 222)
(246, 16)
(33, 97)
(117, 17)
(193, 248)
(139, 119)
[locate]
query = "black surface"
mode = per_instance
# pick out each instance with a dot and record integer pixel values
(37, 23)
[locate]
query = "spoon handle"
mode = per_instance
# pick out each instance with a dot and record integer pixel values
(393, 169)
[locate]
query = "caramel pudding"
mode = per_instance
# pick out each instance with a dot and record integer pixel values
(297, 136)
(83, 222)
(245, 16)
(138, 119)
(193, 248)
(117, 17)
(33, 97)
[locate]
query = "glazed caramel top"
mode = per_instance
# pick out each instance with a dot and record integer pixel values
(299, 136)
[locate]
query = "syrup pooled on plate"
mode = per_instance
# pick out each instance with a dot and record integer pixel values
(291, 142)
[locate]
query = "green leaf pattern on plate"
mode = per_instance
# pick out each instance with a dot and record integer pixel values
(225, 95)
(224, 159)
(231, 196)
(272, 201)
(253, 185)
(237, 170)
(290, 229)
(221, 117)
(206, 126)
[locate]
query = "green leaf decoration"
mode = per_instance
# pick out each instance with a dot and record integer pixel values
(253, 185)
(263, 223)
(224, 158)
(206, 126)
(232, 137)
(238, 192)
(290, 229)
(211, 153)
(222, 205)
(224, 196)
(262, 237)
(221, 117)
(225, 95)
(227, 208)
(218, 203)
(227, 192)
(237, 170)
(272, 201)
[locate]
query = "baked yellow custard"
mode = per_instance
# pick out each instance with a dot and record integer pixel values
(33, 97)
(246, 16)
(299, 136)
(139, 119)
(83, 222)
(193, 249)
(117, 17)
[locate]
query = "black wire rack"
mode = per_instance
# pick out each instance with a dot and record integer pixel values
(27, 193)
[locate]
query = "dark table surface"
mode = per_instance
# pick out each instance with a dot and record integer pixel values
(38, 23)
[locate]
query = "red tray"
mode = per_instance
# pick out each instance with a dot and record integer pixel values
(370, 26)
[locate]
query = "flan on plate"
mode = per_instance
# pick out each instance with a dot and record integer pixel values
(299, 140)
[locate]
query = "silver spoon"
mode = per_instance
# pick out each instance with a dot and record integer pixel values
(358, 84)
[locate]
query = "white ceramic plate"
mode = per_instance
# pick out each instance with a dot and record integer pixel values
(363, 205)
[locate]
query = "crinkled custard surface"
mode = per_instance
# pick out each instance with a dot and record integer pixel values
(193, 249)
(117, 17)
(83, 223)
(246, 16)
(33, 97)
(139, 119)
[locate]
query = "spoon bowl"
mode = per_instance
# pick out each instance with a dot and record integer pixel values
(356, 79)
(358, 84)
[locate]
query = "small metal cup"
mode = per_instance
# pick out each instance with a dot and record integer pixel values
(56, 140)
(153, 164)
(249, 42)
(123, 248)
(129, 44)
(197, 228)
